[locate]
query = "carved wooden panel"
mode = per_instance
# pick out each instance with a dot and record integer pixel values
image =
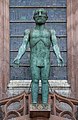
(18, 106)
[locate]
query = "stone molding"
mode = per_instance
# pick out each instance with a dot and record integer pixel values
(62, 87)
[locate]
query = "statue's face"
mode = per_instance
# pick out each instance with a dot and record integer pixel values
(40, 16)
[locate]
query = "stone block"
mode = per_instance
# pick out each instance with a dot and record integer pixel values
(40, 110)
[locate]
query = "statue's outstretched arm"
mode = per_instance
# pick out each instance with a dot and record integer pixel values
(23, 47)
(56, 48)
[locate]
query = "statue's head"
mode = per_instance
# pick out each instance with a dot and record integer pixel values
(40, 16)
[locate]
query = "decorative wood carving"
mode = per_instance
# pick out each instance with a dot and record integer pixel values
(19, 106)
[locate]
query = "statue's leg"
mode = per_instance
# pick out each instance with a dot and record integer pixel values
(45, 86)
(35, 72)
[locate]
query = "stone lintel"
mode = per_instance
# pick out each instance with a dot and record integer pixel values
(26, 83)
(15, 87)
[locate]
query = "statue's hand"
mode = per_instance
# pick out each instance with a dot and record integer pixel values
(16, 61)
(60, 61)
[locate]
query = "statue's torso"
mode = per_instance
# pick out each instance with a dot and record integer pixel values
(40, 46)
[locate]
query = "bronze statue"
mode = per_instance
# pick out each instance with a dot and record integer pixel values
(40, 39)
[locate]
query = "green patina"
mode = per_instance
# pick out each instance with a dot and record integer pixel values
(40, 40)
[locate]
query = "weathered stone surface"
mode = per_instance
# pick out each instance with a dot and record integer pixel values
(15, 87)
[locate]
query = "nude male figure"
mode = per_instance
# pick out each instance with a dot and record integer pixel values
(40, 39)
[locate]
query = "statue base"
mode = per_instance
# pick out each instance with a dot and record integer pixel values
(40, 110)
